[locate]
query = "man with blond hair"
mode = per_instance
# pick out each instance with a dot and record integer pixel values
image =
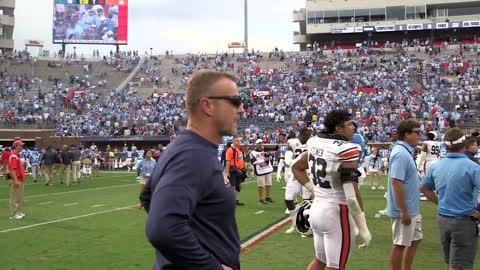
(191, 204)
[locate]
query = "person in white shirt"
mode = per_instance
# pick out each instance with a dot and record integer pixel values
(294, 188)
(374, 165)
(336, 214)
(430, 153)
(263, 171)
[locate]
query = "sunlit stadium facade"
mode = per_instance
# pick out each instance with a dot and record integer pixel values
(7, 23)
(336, 22)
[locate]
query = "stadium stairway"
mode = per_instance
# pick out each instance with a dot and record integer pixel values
(42, 70)
(123, 83)
(100, 71)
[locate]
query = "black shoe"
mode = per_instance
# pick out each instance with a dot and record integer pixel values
(269, 200)
(262, 202)
(240, 204)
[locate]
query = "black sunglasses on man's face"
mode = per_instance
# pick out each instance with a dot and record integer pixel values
(416, 131)
(236, 101)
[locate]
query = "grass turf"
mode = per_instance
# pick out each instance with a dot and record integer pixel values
(116, 239)
(107, 240)
(283, 251)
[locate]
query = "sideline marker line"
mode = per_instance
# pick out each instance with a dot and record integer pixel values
(67, 219)
(45, 203)
(257, 239)
(70, 204)
(73, 191)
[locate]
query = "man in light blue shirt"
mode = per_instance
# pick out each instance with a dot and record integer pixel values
(361, 142)
(456, 180)
(145, 168)
(403, 203)
(35, 158)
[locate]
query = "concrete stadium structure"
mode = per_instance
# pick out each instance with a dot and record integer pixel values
(354, 21)
(7, 23)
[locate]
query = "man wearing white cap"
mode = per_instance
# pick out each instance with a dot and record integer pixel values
(108, 37)
(263, 171)
(17, 177)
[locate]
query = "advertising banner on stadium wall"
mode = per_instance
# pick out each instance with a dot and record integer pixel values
(368, 90)
(155, 139)
(262, 93)
(236, 44)
(33, 43)
(405, 27)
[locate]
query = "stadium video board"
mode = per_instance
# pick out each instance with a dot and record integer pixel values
(90, 22)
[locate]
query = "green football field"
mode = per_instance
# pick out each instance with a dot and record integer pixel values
(96, 225)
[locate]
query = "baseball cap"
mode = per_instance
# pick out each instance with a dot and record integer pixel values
(258, 141)
(17, 143)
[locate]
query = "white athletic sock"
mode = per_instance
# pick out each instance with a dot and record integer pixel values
(293, 214)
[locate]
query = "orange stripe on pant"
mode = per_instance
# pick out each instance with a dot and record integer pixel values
(345, 225)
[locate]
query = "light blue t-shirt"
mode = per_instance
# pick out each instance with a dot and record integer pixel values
(35, 157)
(283, 150)
(360, 141)
(403, 168)
(443, 150)
(146, 167)
(456, 179)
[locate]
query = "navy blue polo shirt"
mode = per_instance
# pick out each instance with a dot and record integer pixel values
(191, 219)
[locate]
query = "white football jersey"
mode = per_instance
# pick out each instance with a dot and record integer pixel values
(433, 150)
(325, 155)
(294, 144)
(297, 147)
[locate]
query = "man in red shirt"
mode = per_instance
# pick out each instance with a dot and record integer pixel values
(4, 159)
(17, 177)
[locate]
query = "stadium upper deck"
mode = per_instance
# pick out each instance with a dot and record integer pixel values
(351, 22)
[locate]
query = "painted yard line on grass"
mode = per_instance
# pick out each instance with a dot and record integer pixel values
(255, 240)
(98, 205)
(43, 183)
(45, 203)
(73, 191)
(67, 219)
(70, 204)
(259, 212)
(124, 172)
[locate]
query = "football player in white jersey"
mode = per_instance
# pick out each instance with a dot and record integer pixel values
(337, 207)
(281, 162)
(429, 155)
(294, 188)
(293, 144)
